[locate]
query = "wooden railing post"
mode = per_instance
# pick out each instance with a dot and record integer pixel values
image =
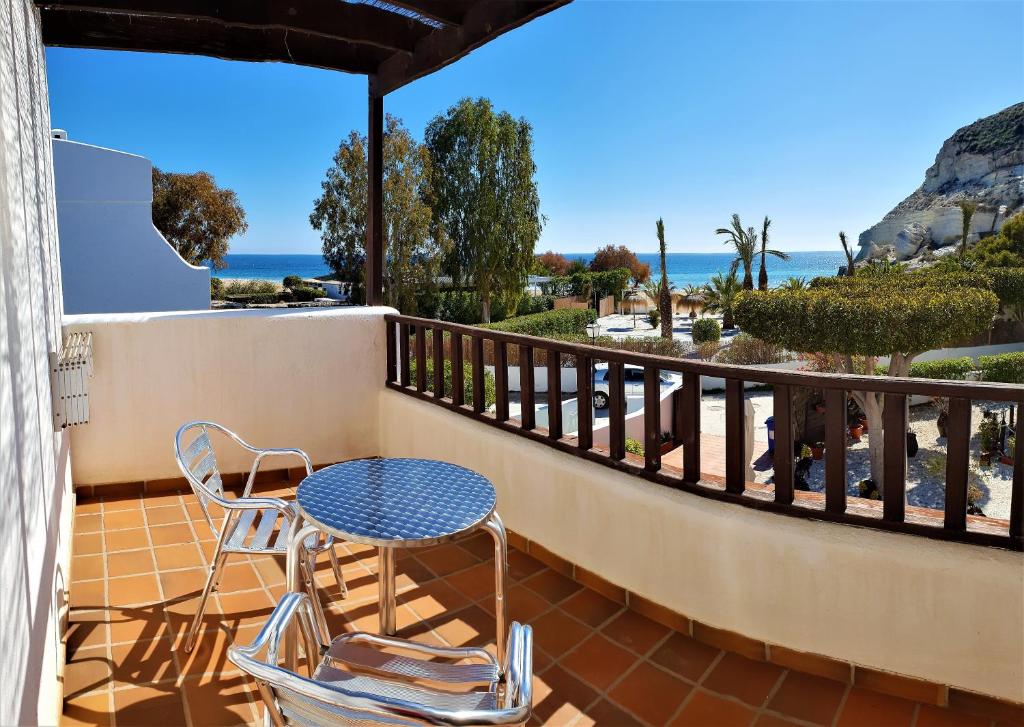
(735, 438)
(438, 344)
(526, 386)
(652, 419)
(476, 353)
(390, 354)
(835, 450)
(584, 402)
(403, 353)
(501, 381)
(458, 380)
(554, 394)
(421, 358)
(616, 411)
(782, 411)
(894, 466)
(1017, 485)
(689, 420)
(958, 436)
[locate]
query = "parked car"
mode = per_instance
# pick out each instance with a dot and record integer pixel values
(633, 379)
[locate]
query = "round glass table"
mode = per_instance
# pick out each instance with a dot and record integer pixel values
(405, 503)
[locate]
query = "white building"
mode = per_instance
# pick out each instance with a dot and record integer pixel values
(112, 258)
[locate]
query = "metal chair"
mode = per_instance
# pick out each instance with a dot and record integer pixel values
(249, 525)
(353, 681)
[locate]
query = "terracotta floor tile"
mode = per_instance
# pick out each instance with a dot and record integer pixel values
(129, 563)
(123, 519)
(172, 534)
(469, 627)
(931, 716)
(220, 701)
(131, 539)
(481, 545)
(162, 499)
(86, 568)
(271, 570)
(87, 630)
(606, 714)
(770, 720)
(166, 515)
(129, 625)
(87, 543)
(406, 568)
(177, 584)
(521, 565)
(708, 710)
(88, 595)
(590, 607)
(88, 523)
(133, 590)
(89, 505)
(244, 604)
(142, 662)
(524, 605)
(864, 707)
(634, 631)
(598, 661)
(650, 693)
(743, 678)
(475, 583)
(685, 656)
(445, 559)
(88, 709)
(433, 599)
(149, 705)
(556, 690)
(210, 654)
(172, 557)
(807, 697)
(86, 671)
(117, 504)
(551, 586)
(238, 575)
(557, 633)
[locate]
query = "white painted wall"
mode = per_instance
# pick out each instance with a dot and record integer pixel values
(34, 473)
(113, 259)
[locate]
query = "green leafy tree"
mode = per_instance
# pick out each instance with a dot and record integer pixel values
(851, 268)
(485, 197)
(967, 210)
(664, 296)
(720, 296)
(762, 276)
(196, 216)
(794, 283)
(854, 321)
(413, 245)
(1003, 250)
(744, 243)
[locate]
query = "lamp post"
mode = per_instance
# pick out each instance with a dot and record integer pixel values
(593, 329)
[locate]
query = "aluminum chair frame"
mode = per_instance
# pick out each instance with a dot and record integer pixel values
(198, 463)
(377, 694)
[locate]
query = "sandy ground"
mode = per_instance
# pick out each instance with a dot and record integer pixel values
(622, 326)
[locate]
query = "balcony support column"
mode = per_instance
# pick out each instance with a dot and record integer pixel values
(375, 201)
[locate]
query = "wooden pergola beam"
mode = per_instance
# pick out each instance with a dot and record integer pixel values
(353, 22)
(449, 12)
(484, 21)
(204, 37)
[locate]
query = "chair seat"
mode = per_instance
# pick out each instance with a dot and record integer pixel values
(368, 659)
(437, 699)
(270, 535)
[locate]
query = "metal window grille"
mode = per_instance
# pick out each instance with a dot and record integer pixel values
(70, 371)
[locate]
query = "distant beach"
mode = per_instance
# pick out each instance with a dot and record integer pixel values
(683, 268)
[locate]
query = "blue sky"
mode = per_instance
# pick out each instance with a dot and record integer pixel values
(822, 115)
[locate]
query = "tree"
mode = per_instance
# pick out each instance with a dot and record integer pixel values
(611, 257)
(413, 245)
(851, 268)
(721, 294)
(967, 210)
(854, 321)
(485, 197)
(762, 276)
(552, 263)
(744, 243)
(196, 216)
(1003, 250)
(664, 296)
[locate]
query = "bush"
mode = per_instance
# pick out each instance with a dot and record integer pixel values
(567, 321)
(654, 318)
(306, 293)
(708, 350)
(250, 287)
(953, 369)
(705, 330)
(254, 298)
(292, 281)
(1008, 284)
(490, 390)
(656, 346)
(458, 306)
(1005, 367)
(612, 282)
(216, 288)
(530, 304)
(634, 446)
(747, 350)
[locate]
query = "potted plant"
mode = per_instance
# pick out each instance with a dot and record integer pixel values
(1007, 456)
(802, 468)
(818, 450)
(667, 445)
(988, 434)
(868, 490)
(856, 430)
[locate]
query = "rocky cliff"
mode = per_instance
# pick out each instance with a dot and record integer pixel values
(983, 162)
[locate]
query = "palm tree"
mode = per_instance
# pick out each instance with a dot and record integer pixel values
(967, 210)
(721, 296)
(851, 269)
(794, 284)
(744, 242)
(762, 276)
(664, 297)
(693, 294)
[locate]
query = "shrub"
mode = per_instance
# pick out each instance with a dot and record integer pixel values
(705, 330)
(490, 390)
(654, 318)
(708, 349)
(634, 446)
(1005, 367)
(1008, 284)
(656, 346)
(305, 293)
(747, 350)
(612, 282)
(954, 369)
(530, 304)
(566, 321)
(254, 298)
(250, 287)
(292, 281)
(216, 288)
(458, 306)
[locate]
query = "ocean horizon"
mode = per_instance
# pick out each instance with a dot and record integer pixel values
(684, 268)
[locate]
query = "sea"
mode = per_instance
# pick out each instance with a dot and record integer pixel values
(684, 268)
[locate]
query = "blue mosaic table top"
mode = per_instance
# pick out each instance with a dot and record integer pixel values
(394, 502)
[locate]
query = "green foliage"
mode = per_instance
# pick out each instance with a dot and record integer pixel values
(992, 133)
(292, 281)
(706, 330)
(868, 315)
(634, 446)
(664, 296)
(254, 298)
(196, 216)
(587, 283)
(744, 243)
(1005, 367)
(485, 196)
(1003, 250)
(458, 306)
(611, 257)
(530, 304)
(953, 369)
(720, 296)
(746, 350)
(306, 293)
(988, 433)
(656, 346)
(1008, 284)
(216, 288)
(250, 287)
(567, 321)
(653, 317)
(490, 390)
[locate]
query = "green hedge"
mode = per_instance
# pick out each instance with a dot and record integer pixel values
(254, 298)
(306, 293)
(705, 330)
(1005, 367)
(952, 369)
(566, 321)
(530, 304)
(490, 390)
(1008, 284)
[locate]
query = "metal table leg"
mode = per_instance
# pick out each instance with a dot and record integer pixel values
(497, 530)
(386, 583)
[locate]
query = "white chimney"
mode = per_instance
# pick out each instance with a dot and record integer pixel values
(59, 134)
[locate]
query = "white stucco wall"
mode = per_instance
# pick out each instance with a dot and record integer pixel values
(113, 259)
(944, 612)
(307, 378)
(34, 473)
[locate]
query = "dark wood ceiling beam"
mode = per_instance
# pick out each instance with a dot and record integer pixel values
(485, 20)
(353, 22)
(449, 12)
(104, 31)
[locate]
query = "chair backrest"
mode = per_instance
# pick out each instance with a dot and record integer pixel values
(198, 463)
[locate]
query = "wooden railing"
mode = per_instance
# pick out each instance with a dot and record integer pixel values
(488, 347)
